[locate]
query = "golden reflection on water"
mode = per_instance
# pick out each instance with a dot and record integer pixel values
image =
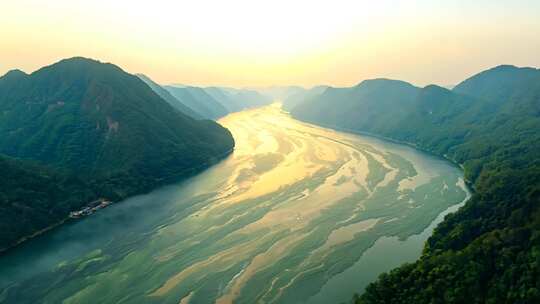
(274, 152)
(287, 213)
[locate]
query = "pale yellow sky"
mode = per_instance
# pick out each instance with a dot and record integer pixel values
(279, 42)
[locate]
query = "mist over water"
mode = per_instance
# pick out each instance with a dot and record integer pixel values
(289, 217)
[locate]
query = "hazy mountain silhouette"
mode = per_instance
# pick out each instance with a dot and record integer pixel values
(235, 100)
(299, 96)
(198, 100)
(168, 97)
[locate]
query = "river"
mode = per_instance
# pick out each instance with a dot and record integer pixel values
(297, 214)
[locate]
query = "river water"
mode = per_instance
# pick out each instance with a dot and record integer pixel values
(297, 214)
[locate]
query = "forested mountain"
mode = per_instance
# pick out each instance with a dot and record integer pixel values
(502, 84)
(92, 119)
(198, 100)
(343, 105)
(488, 251)
(165, 95)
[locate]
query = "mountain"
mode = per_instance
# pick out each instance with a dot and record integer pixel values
(368, 105)
(13, 76)
(86, 115)
(504, 83)
(300, 96)
(487, 252)
(198, 100)
(208, 102)
(165, 95)
(225, 99)
(235, 100)
(101, 124)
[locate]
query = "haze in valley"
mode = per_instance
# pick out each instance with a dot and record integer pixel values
(262, 43)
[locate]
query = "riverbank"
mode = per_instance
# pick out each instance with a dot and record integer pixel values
(66, 218)
(470, 184)
(35, 234)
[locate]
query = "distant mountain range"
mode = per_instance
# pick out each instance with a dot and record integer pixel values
(487, 252)
(235, 100)
(298, 96)
(290, 96)
(199, 100)
(207, 102)
(81, 129)
(167, 96)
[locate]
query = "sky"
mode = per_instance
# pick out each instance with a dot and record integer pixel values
(280, 42)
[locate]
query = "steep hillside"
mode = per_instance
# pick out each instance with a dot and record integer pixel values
(487, 252)
(94, 120)
(165, 95)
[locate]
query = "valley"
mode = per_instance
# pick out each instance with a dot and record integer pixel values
(250, 152)
(290, 217)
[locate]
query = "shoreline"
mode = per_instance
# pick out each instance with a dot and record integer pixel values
(468, 186)
(468, 183)
(182, 176)
(34, 235)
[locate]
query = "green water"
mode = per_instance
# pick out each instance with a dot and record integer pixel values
(297, 214)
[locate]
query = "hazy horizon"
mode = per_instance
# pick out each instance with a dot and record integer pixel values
(246, 44)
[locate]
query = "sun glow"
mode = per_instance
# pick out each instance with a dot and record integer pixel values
(241, 42)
